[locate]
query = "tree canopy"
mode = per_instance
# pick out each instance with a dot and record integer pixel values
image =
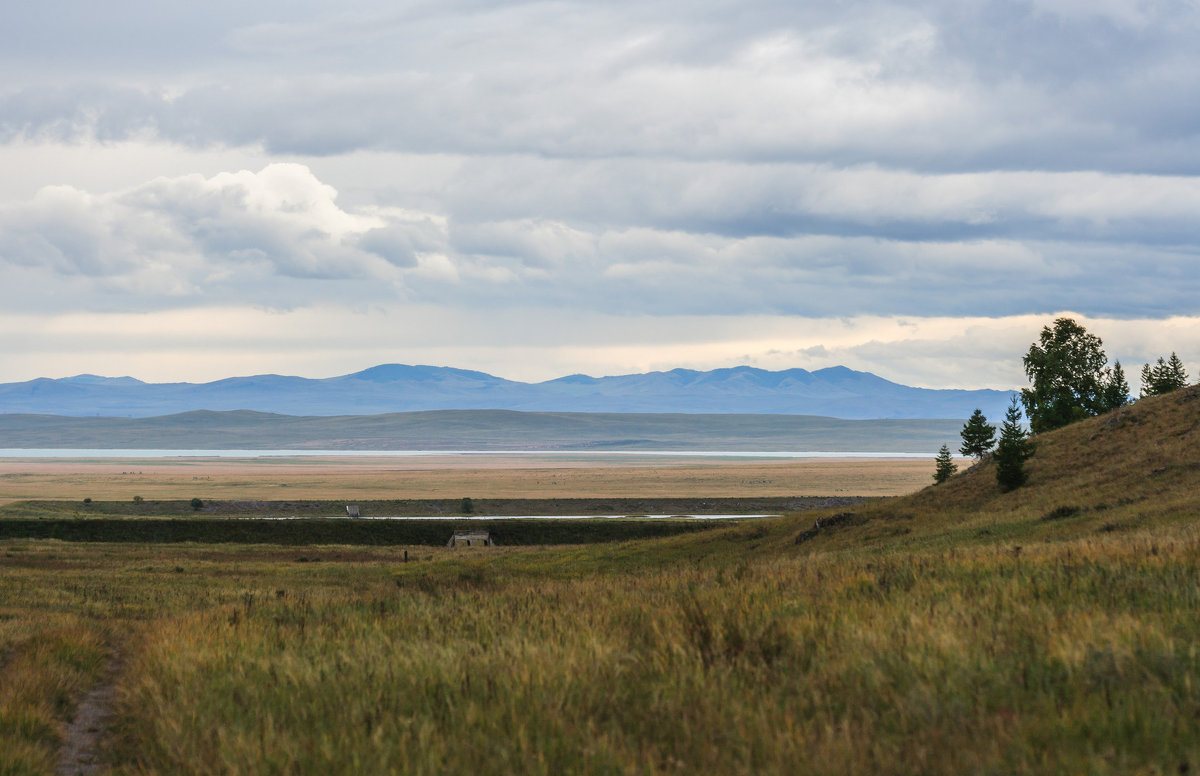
(1069, 378)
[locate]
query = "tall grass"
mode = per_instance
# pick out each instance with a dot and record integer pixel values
(1072, 657)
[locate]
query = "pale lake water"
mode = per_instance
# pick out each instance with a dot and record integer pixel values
(18, 452)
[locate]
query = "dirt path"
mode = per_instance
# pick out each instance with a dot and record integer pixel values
(79, 753)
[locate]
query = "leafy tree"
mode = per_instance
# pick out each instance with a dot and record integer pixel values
(1067, 376)
(197, 504)
(467, 506)
(1166, 376)
(1116, 389)
(978, 435)
(1013, 449)
(945, 466)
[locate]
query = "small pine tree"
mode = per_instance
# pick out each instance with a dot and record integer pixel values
(945, 466)
(1116, 390)
(1176, 374)
(1165, 376)
(978, 436)
(1012, 450)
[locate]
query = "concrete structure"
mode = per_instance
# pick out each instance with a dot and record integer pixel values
(471, 539)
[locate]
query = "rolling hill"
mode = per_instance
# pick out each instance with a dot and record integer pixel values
(479, 430)
(1134, 468)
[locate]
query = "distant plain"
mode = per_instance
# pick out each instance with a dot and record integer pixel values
(442, 476)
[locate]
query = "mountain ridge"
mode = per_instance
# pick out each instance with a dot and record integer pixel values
(832, 392)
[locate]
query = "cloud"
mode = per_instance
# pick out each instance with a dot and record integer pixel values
(936, 85)
(209, 236)
(861, 242)
(667, 163)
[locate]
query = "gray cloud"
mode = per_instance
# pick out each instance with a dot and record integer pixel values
(674, 159)
(280, 237)
(935, 85)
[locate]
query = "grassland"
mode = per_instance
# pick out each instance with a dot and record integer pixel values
(277, 479)
(958, 630)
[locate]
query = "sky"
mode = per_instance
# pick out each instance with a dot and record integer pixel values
(192, 191)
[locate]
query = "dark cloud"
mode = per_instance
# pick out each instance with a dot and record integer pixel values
(811, 159)
(945, 85)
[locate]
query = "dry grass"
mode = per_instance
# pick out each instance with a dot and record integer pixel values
(957, 630)
(453, 477)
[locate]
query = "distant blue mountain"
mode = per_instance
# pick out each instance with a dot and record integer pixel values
(834, 392)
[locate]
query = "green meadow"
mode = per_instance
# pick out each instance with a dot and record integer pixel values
(1052, 629)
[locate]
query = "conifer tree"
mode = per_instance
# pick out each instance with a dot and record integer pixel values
(1165, 376)
(1147, 382)
(1177, 375)
(1013, 449)
(978, 436)
(1116, 389)
(945, 466)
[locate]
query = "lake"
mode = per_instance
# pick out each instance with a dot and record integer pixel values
(17, 452)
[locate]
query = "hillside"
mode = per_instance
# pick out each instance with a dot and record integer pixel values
(1137, 467)
(835, 392)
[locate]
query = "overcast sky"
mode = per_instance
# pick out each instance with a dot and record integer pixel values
(535, 189)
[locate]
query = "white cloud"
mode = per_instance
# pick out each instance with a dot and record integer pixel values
(194, 235)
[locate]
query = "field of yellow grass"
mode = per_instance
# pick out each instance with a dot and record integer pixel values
(453, 477)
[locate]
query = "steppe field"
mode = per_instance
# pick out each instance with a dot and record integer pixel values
(957, 629)
(455, 476)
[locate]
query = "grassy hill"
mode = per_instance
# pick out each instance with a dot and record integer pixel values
(1135, 468)
(1052, 629)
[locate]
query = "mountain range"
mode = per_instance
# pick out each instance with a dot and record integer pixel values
(836, 392)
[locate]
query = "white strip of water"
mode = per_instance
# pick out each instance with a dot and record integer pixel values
(18, 452)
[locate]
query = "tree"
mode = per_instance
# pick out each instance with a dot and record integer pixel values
(1166, 376)
(1067, 376)
(945, 466)
(978, 436)
(1013, 449)
(1116, 390)
(1147, 381)
(1176, 373)
(197, 504)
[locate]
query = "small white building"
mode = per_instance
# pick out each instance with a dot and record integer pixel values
(471, 539)
(352, 510)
